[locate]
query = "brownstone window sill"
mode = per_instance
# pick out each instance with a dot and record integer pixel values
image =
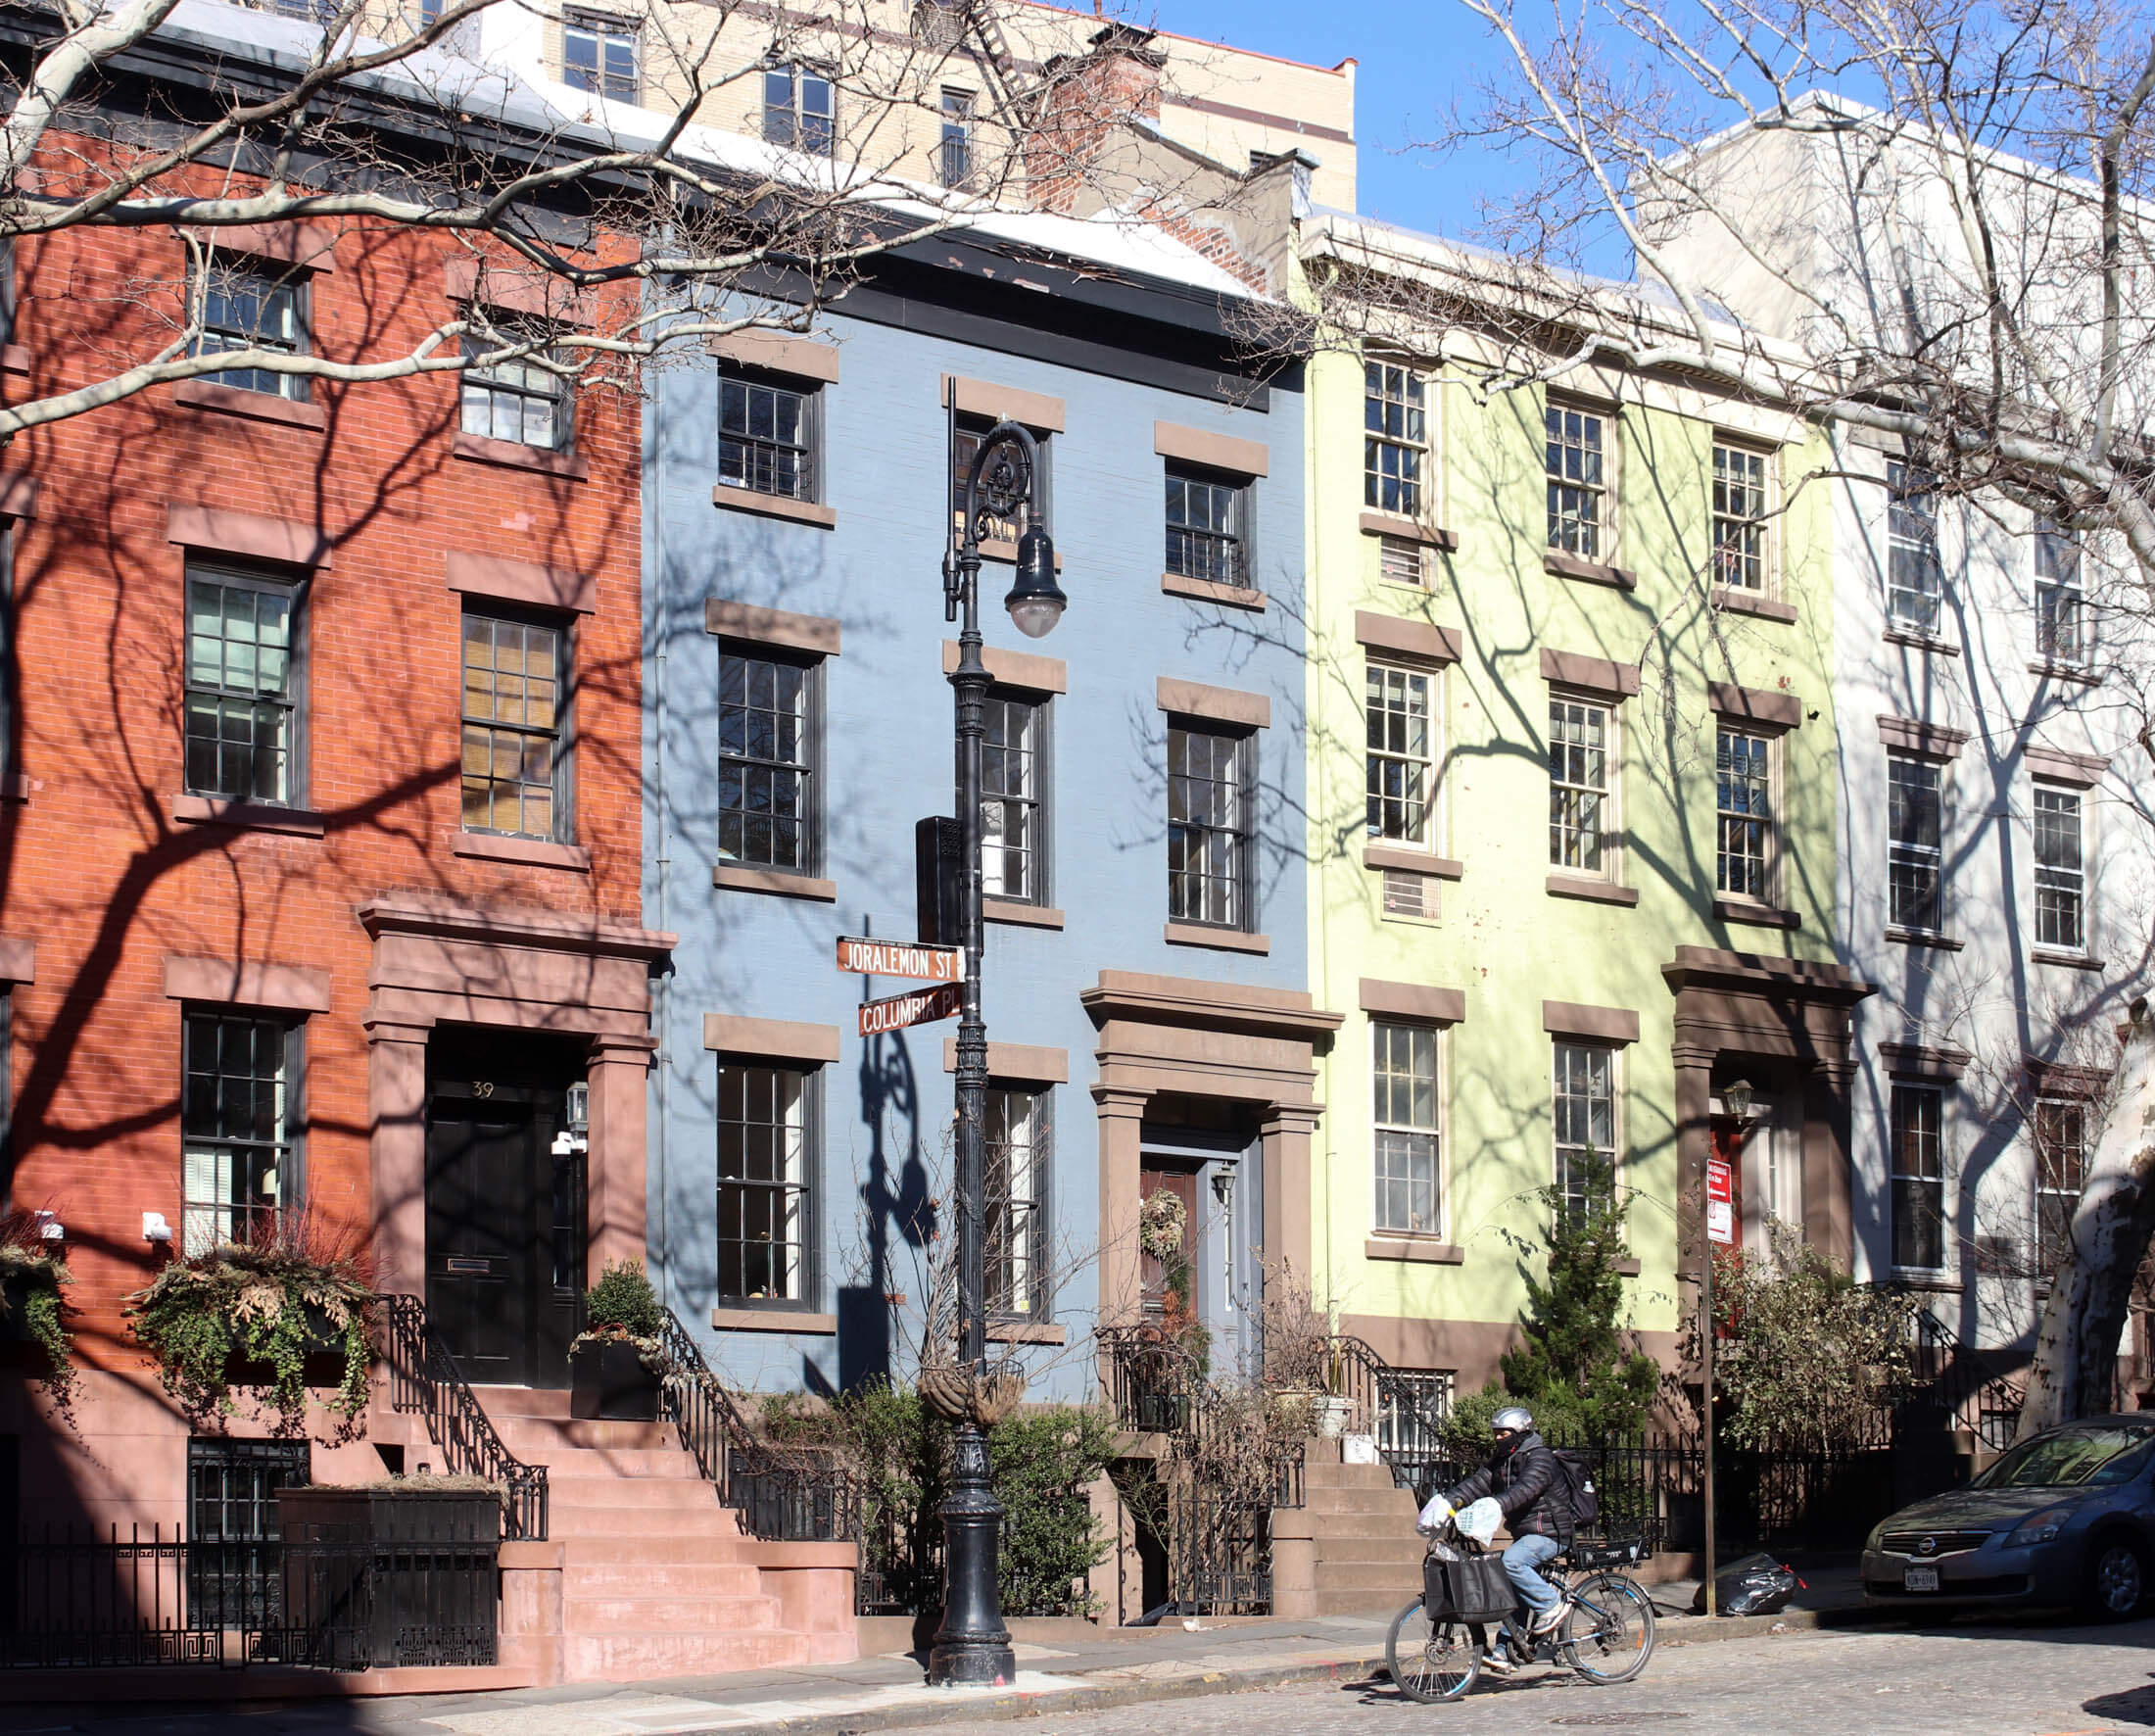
(1589, 572)
(747, 499)
(1918, 937)
(1410, 530)
(1762, 916)
(14, 359)
(259, 407)
(737, 878)
(1410, 861)
(1025, 1332)
(2072, 961)
(1025, 916)
(1198, 933)
(1597, 892)
(1628, 1266)
(2071, 672)
(775, 1320)
(251, 816)
(1211, 591)
(514, 454)
(1928, 641)
(529, 852)
(1416, 1250)
(1737, 601)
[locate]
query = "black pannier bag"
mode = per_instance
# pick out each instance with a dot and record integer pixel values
(1473, 1588)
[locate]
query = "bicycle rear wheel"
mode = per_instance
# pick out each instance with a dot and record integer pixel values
(1431, 1660)
(1608, 1630)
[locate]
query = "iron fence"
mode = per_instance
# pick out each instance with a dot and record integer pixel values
(1222, 1555)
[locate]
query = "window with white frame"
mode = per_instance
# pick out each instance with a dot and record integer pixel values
(1395, 439)
(2061, 873)
(1405, 1143)
(1019, 1142)
(1210, 825)
(1400, 714)
(800, 108)
(1013, 813)
(1740, 518)
(253, 306)
(1575, 456)
(766, 1129)
(599, 53)
(521, 400)
(2060, 1130)
(1918, 1158)
(1915, 573)
(1743, 814)
(1915, 860)
(1581, 736)
(516, 741)
(2061, 606)
(237, 1125)
(1585, 1102)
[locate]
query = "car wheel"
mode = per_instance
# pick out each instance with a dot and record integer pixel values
(2117, 1579)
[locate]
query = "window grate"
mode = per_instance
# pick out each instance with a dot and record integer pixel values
(1400, 562)
(1408, 893)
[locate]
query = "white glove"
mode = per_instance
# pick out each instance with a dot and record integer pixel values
(1480, 1521)
(1434, 1516)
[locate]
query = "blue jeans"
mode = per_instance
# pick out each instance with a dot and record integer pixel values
(1523, 1561)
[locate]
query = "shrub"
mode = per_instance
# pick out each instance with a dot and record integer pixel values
(623, 1302)
(31, 1272)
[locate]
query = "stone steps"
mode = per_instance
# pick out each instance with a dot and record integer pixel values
(638, 1657)
(583, 1578)
(580, 1490)
(720, 1615)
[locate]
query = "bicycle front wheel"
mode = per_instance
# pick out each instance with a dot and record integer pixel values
(1431, 1660)
(1608, 1630)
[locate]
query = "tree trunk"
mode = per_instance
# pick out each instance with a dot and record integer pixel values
(2076, 1366)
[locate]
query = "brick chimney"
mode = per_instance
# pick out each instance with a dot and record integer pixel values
(1086, 99)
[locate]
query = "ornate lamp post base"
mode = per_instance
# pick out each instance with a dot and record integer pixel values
(971, 1648)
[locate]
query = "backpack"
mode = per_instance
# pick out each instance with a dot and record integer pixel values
(1576, 1469)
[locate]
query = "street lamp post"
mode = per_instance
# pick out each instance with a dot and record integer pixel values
(971, 1648)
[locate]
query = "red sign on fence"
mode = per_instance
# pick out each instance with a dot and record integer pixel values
(1720, 1202)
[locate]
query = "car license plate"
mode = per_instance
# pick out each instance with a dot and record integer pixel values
(1918, 1579)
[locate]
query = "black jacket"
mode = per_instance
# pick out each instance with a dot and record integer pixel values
(1528, 1486)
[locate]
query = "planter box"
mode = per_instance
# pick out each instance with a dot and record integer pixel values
(610, 1383)
(381, 1578)
(14, 1295)
(324, 1364)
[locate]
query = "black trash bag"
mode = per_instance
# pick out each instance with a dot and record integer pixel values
(1756, 1585)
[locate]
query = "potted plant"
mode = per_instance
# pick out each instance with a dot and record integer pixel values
(616, 1363)
(285, 1309)
(34, 1308)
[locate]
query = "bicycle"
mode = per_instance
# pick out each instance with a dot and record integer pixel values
(1606, 1634)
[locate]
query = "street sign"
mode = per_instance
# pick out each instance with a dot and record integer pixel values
(921, 1007)
(893, 958)
(1721, 1221)
(1720, 1179)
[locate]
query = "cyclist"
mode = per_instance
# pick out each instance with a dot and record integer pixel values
(1523, 1475)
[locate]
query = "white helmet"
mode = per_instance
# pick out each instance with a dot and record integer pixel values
(1517, 1417)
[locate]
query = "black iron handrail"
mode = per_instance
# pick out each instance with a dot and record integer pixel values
(426, 1380)
(1357, 1373)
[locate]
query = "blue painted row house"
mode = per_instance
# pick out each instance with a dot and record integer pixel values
(1145, 963)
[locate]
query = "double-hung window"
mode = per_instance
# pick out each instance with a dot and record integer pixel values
(2061, 1168)
(2061, 606)
(522, 400)
(1019, 1142)
(1404, 1147)
(1575, 455)
(1743, 816)
(1915, 573)
(769, 717)
(1915, 861)
(1207, 526)
(252, 307)
(1740, 518)
(1399, 709)
(1581, 740)
(515, 726)
(2061, 871)
(800, 108)
(767, 431)
(244, 687)
(1585, 1102)
(766, 1149)
(1013, 813)
(238, 1118)
(1395, 439)
(599, 53)
(955, 151)
(1210, 821)
(1918, 1177)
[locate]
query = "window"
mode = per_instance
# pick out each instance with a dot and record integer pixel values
(1395, 439)
(1019, 1144)
(1579, 735)
(1574, 456)
(955, 155)
(1914, 859)
(1013, 761)
(1919, 1177)
(1403, 1065)
(1411, 1406)
(243, 308)
(236, 1125)
(2061, 881)
(1206, 530)
(1209, 826)
(233, 1519)
(766, 437)
(1743, 785)
(798, 108)
(1586, 1126)
(2061, 1167)
(764, 1128)
(1915, 576)
(1402, 753)
(599, 53)
(768, 717)
(515, 742)
(521, 400)
(1739, 517)
(2061, 609)
(243, 687)
(967, 431)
